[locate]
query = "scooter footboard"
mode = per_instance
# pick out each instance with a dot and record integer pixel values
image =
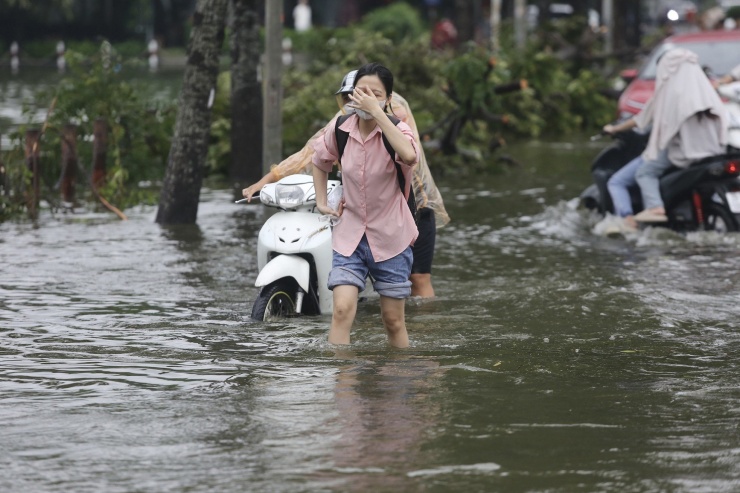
(285, 266)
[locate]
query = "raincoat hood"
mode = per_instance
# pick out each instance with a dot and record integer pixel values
(682, 90)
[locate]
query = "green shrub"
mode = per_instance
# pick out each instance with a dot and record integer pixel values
(139, 130)
(40, 49)
(85, 48)
(562, 96)
(398, 22)
(131, 49)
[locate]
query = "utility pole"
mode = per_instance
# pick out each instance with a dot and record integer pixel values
(607, 15)
(272, 128)
(520, 23)
(495, 26)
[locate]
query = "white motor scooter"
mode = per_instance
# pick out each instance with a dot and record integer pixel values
(294, 252)
(731, 94)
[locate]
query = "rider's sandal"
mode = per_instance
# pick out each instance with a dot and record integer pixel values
(651, 217)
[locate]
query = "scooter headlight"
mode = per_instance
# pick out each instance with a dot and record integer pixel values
(289, 195)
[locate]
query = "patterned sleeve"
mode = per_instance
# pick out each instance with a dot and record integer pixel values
(325, 149)
(300, 162)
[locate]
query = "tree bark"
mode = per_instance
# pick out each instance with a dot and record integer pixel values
(246, 95)
(100, 152)
(178, 201)
(32, 162)
(69, 163)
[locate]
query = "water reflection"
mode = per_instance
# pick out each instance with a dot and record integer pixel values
(186, 237)
(386, 408)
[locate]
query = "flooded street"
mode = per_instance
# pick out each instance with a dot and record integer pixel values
(552, 360)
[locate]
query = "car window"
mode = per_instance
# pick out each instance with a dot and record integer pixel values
(719, 56)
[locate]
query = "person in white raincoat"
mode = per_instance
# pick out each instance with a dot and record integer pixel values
(689, 122)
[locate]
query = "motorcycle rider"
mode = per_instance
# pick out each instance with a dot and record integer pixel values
(431, 211)
(689, 122)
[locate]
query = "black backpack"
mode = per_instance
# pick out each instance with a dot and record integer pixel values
(342, 138)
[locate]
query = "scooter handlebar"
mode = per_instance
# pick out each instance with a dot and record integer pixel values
(255, 198)
(598, 136)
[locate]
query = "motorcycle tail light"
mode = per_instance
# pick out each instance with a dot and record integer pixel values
(289, 195)
(732, 167)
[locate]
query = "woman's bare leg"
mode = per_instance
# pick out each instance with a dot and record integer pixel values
(394, 320)
(345, 308)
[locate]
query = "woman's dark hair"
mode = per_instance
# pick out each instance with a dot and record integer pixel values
(374, 68)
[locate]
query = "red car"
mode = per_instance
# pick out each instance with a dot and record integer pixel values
(719, 52)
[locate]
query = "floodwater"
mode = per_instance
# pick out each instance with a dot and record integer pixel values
(552, 360)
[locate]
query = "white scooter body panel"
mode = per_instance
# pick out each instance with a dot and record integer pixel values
(292, 233)
(285, 266)
(289, 233)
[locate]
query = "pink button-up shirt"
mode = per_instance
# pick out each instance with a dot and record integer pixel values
(373, 202)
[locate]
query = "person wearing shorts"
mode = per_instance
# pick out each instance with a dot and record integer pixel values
(374, 228)
(431, 212)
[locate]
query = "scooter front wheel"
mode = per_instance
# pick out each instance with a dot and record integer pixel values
(275, 301)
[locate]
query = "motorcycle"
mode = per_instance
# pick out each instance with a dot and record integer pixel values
(294, 252)
(704, 196)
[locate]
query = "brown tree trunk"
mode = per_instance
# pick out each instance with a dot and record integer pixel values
(69, 163)
(32, 162)
(178, 201)
(100, 152)
(246, 95)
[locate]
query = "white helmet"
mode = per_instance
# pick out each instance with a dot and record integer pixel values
(348, 83)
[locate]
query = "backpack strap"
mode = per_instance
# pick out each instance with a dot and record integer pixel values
(341, 136)
(399, 171)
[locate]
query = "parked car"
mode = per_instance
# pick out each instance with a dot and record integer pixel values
(719, 52)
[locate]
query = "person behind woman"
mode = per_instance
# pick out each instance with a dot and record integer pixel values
(431, 213)
(377, 229)
(689, 122)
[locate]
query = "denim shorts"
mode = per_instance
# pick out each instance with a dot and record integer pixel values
(390, 277)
